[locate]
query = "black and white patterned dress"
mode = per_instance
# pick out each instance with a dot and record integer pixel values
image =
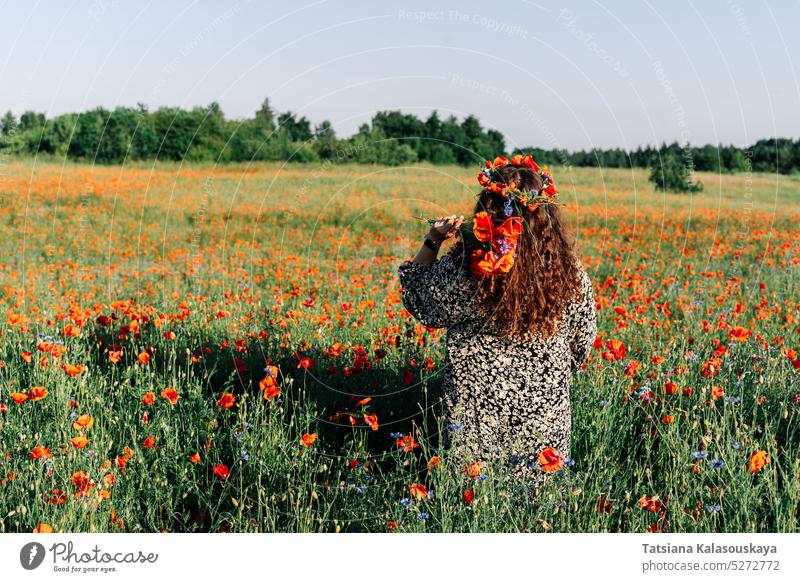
(504, 398)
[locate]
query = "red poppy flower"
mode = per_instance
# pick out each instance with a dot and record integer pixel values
(371, 420)
(221, 471)
(170, 394)
(550, 460)
(227, 400)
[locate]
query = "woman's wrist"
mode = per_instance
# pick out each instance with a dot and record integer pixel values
(431, 244)
(435, 236)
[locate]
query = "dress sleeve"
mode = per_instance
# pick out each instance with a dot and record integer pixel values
(437, 294)
(583, 324)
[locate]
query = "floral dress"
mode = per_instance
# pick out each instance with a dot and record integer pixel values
(503, 398)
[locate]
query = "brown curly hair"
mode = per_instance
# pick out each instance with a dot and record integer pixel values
(533, 295)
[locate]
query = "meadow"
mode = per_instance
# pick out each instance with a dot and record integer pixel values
(190, 348)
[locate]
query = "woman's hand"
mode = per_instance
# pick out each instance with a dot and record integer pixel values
(444, 228)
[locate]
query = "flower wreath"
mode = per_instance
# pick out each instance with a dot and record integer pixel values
(492, 248)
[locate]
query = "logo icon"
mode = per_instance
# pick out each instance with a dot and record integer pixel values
(31, 555)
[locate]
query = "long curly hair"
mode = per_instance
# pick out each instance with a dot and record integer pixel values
(534, 294)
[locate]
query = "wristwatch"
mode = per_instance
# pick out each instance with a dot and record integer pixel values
(430, 244)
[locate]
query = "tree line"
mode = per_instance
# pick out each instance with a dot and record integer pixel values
(204, 134)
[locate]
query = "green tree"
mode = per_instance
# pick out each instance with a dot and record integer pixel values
(8, 125)
(672, 174)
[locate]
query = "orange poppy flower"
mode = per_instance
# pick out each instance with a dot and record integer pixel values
(71, 330)
(717, 392)
(40, 452)
(37, 393)
(617, 349)
(80, 480)
(149, 398)
(739, 334)
(418, 491)
(114, 356)
(79, 442)
(19, 397)
(482, 226)
(149, 442)
(195, 458)
(371, 420)
(710, 367)
(407, 443)
(271, 392)
(308, 439)
(227, 400)
(434, 463)
(73, 369)
(143, 358)
(757, 461)
(43, 528)
(27, 357)
(473, 469)
(170, 394)
(83, 422)
(550, 460)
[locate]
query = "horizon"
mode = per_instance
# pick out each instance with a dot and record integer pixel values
(615, 77)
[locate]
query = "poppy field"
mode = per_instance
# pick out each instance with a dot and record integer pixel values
(198, 348)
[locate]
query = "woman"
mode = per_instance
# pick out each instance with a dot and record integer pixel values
(520, 317)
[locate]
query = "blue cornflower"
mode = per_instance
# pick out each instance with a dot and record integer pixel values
(700, 454)
(735, 444)
(423, 516)
(716, 463)
(731, 399)
(361, 489)
(455, 426)
(713, 508)
(244, 455)
(73, 415)
(396, 435)
(558, 503)
(507, 208)
(604, 403)
(503, 245)
(406, 502)
(238, 434)
(482, 477)
(569, 463)
(430, 493)
(248, 426)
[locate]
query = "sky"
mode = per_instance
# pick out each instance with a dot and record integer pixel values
(571, 74)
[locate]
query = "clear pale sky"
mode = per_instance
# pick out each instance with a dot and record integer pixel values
(572, 74)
